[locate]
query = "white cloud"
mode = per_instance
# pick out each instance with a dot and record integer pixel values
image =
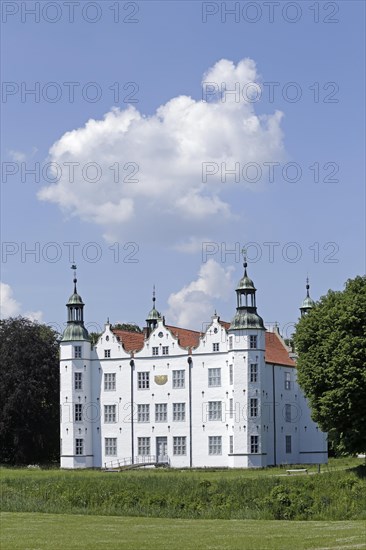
(20, 156)
(158, 192)
(10, 307)
(194, 305)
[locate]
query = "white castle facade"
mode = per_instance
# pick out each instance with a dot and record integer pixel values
(226, 398)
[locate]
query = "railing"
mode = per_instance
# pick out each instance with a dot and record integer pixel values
(137, 460)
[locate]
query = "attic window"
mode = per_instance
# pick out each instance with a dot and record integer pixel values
(216, 346)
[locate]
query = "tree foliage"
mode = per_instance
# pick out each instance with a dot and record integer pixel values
(130, 327)
(331, 345)
(29, 392)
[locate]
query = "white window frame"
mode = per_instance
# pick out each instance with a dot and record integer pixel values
(216, 346)
(253, 341)
(78, 412)
(254, 444)
(110, 446)
(179, 412)
(179, 379)
(155, 350)
(287, 380)
(231, 407)
(179, 445)
(79, 446)
(231, 444)
(253, 407)
(253, 372)
(215, 445)
(77, 352)
(231, 375)
(143, 446)
(110, 414)
(214, 377)
(161, 412)
(107, 353)
(214, 411)
(109, 381)
(78, 381)
(165, 350)
(143, 380)
(143, 412)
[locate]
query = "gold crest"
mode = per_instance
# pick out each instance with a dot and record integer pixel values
(161, 379)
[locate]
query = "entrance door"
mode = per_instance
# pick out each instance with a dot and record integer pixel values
(162, 449)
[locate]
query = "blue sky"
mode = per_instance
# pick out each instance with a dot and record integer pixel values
(170, 133)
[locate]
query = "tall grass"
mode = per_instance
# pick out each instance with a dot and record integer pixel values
(335, 495)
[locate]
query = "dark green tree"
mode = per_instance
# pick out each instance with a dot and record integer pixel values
(29, 392)
(331, 345)
(130, 327)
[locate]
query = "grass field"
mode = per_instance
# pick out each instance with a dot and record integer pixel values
(30, 531)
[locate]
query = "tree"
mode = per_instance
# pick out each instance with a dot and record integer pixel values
(29, 392)
(130, 327)
(331, 345)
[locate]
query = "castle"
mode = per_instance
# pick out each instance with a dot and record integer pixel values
(227, 397)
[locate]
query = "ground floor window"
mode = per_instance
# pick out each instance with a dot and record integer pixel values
(214, 445)
(111, 446)
(179, 445)
(288, 444)
(254, 444)
(79, 446)
(143, 446)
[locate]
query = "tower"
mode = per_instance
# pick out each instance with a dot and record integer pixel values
(153, 317)
(307, 303)
(247, 342)
(75, 387)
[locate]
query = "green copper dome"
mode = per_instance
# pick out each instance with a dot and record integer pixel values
(246, 319)
(75, 299)
(76, 333)
(308, 303)
(245, 283)
(154, 315)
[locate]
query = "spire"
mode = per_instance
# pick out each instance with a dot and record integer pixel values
(307, 303)
(75, 329)
(246, 312)
(153, 316)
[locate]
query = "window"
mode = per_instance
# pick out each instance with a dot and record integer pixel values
(143, 413)
(79, 446)
(107, 353)
(179, 446)
(287, 381)
(179, 412)
(165, 350)
(216, 346)
(214, 445)
(178, 378)
(214, 377)
(231, 375)
(288, 413)
(253, 372)
(143, 380)
(253, 406)
(143, 446)
(288, 444)
(78, 380)
(78, 408)
(231, 444)
(254, 444)
(252, 342)
(161, 412)
(230, 342)
(109, 413)
(155, 350)
(214, 410)
(231, 408)
(110, 446)
(77, 352)
(110, 381)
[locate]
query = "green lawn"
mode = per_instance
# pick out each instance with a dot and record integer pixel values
(30, 531)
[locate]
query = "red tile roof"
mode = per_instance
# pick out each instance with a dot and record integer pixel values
(276, 352)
